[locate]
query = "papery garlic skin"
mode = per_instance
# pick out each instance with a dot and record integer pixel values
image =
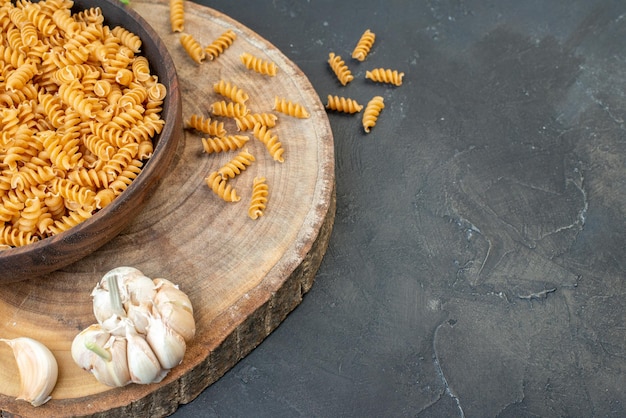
(38, 369)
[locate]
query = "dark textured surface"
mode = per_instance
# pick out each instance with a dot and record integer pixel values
(476, 264)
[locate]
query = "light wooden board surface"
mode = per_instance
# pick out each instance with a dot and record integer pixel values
(243, 276)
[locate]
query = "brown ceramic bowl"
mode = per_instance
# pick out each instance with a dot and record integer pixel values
(60, 250)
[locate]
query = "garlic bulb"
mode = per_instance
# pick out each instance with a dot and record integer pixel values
(143, 329)
(38, 369)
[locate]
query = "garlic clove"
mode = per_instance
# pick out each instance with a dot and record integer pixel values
(102, 309)
(38, 369)
(102, 354)
(114, 372)
(143, 365)
(167, 345)
(169, 292)
(178, 318)
(139, 288)
(139, 315)
(92, 336)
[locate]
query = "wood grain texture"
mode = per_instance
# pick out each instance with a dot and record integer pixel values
(243, 276)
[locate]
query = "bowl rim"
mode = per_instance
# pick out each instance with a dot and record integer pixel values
(44, 249)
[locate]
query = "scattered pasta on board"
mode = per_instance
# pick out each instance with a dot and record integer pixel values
(192, 47)
(219, 45)
(259, 65)
(258, 201)
(290, 108)
(177, 15)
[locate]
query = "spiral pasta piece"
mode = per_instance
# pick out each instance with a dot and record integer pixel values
(42, 22)
(220, 187)
(258, 65)
(339, 67)
(343, 104)
(70, 220)
(91, 178)
(236, 165)
(372, 111)
(228, 109)
(126, 177)
(362, 48)
(120, 160)
(382, 75)
(64, 21)
(177, 15)
(28, 31)
(20, 76)
(13, 237)
(223, 144)
(230, 91)
(128, 39)
(32, 216)
(271, 142)
(260, 191)
(219, 45)
(30, 175)
(192, 47)
(247, 122)
(290, 108)
(103, 149)
(208, 126)
(83, 196)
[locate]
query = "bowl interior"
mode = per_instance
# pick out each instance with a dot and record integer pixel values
(57, 251)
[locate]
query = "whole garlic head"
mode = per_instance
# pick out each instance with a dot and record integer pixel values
(143, 329)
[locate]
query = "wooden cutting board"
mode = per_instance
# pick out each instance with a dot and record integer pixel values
(243, 276)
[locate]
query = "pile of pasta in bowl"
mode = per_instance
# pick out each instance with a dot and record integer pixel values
(90, 115)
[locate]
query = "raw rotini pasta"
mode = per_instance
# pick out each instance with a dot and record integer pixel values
(290, 108)
(271, 142)
(126, 177)
(78, 110)
(343, 104)
(362, 48)
(208, 126)
(339, 67)
(128, 39)
(260, 192)
(13, 237)
(235, 166)
(218, 46)
(192, 47)
(220, 187)
(230, 91)
(223, 144)
(177, 15)
(372, 111)
(228, 109)
(247, 122)
(382, 75)
(256, 64)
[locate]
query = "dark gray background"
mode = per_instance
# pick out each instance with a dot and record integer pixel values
(476, 266)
